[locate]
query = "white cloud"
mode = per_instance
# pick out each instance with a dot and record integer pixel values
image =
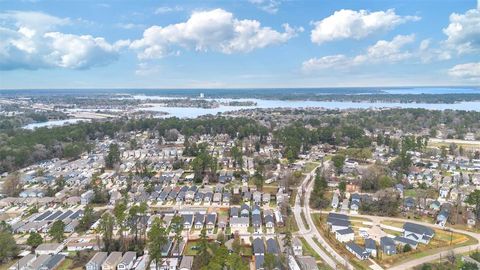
(427, 54)
(78, 52)
(214, 30)
(463, 32)
(270, 6)
(381, 52)
(326, 62)
(351, 24)
(130, 26)
(167, 9)
(28, 41)
(469, 71)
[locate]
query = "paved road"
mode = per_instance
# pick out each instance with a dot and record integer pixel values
(333, 258)
(416, 262)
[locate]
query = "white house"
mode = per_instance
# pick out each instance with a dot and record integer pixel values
(345, 235)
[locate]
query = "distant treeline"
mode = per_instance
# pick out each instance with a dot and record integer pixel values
(392, 98)
(19, 148)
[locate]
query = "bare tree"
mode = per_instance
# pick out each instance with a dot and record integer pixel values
(11, 185)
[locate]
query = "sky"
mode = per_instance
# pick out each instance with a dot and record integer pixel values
(238, 44)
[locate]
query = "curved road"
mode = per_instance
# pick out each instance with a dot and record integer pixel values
(333, 259)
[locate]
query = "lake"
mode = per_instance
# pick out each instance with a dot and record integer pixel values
(55, 123)
(183, 112)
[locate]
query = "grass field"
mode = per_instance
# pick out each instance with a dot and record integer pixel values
(309, 166)
(190, 250)
(308, 250)
(307, 226)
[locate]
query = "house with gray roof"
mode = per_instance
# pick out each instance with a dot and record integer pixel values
(402, 241)
(418, 233)
(272, 246)
(53, 262)
(357, 250)
(371, 247)
(388, 246)
(258, 247)
(23, 262)
(96, 261)
(112, 261)
(127, 261)
(186, 263)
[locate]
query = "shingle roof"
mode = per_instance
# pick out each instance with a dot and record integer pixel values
(419, 229)
(258, 246)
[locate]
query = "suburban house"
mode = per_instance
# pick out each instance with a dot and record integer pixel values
(49, 248)
(186, 263)
(345, 235)
(112, 261)
(272, 246)
(211, 221)
(402, 241)
(127, 261)
(96, 261)
(357, 250)
(388, 245)
(199, 221)
(53, 262)
(371, 247)
(417, 233)
(237, 223)
(337, 221)
(258, 247)
(187, 221)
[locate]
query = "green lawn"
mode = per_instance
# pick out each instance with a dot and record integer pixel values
(188, 249)
(307, 226)
(308, 250)
(309, 166)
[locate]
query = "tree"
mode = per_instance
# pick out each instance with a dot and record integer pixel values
(34, 240)
(269, 261)
(342, 186)
(407, 248)
(11, 185)
(426, 266)
(177, 226)
(235, 262)
(157, 238)
(57, 231)
(221, 237)
(113, 156)
(203, 255)
(87, 220)
(258, 179)
(338, 162)
(8, 246)
(287, 240)
(119, 211)
(236, 244)
(107, 222)
(469, 266)
(474, 199)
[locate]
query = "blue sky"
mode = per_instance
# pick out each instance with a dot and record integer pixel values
(235, 44)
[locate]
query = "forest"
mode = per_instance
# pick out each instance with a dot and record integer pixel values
(19, 147)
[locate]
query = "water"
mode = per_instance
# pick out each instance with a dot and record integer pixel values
(55, 123)
(183, 112)
(431, 91)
